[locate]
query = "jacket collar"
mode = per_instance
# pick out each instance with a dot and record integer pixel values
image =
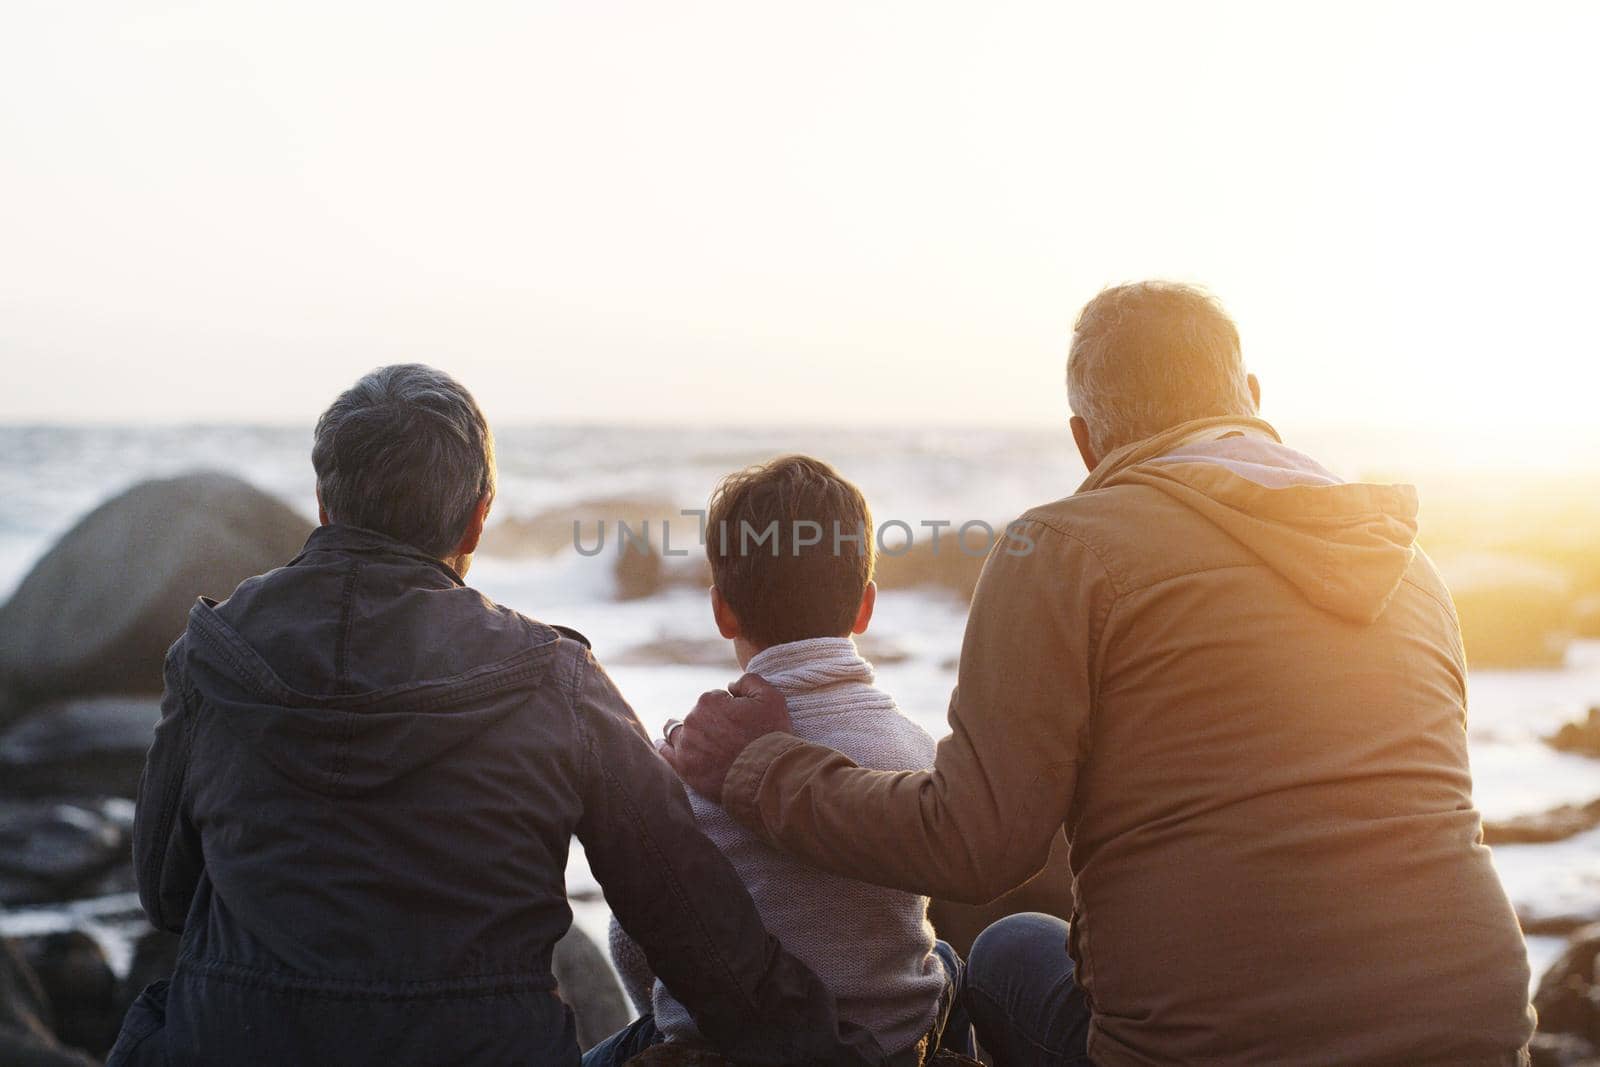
(1138, 452)
(345, 540)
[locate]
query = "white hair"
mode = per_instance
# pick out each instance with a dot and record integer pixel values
(1149, 356)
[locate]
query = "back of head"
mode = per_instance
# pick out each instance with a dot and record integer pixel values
(1148, 356)
(405, 452)
(790, 545)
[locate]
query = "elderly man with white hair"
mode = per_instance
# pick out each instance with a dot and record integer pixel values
(1238, 685)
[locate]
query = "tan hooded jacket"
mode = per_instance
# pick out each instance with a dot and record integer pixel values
(1240, 687)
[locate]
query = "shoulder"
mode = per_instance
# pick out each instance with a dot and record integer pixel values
(881, 737)
(536, 631)
(570, 661)
(1113, 537)
(1099, 518)
(570, 634)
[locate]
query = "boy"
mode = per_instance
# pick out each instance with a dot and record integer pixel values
(790, 546)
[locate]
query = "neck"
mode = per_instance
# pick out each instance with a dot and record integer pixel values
(745, 650)
(799, 666)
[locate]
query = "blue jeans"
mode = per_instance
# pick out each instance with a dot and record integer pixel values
(951, 1023)
(1024, 1003)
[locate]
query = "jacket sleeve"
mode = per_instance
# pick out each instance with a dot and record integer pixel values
(982, 820)
(677, 896)
(166, 845)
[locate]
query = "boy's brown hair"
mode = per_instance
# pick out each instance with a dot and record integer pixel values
(790, 545)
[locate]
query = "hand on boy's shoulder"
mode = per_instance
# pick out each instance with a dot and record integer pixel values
(722, 723)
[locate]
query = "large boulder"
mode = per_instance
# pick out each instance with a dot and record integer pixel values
(589, 986)
(97, 613)
(80, 987)
(27, 1038)
(53, 851)
(1568, 1003)
(87, 747)
(936, 562)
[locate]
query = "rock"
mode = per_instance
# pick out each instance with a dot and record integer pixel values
(26, 1036)
(1568, 997)
(82, 991)
(941, 565)
(52, 851)
(97, 613)
(552, 531)
(587, 983)
(1582, 738)
(1588, 616)
(679, 651)
(1555, 925)
(1515, 611)
(1557, 824)
(638, 572)
(90, 747)
(1562, 1050)
(1050, 892)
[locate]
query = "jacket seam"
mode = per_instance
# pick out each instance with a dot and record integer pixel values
(1429, 593)
(1073, 535)
(341, 652)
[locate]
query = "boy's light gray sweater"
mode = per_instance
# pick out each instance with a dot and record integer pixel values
(872, 947)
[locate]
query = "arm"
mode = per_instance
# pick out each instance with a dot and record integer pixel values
(166, 846)
(981, 821)
(675, 893)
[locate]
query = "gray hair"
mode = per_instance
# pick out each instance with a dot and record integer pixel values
(1149, 356)
(406, 452)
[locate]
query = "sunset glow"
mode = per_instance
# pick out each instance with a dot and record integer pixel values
(835, 213)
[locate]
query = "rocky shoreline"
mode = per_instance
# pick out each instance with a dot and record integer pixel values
(79, 695)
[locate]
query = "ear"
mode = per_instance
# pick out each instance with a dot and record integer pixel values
(727, 621)
(1255, 389)
(869, 600)
(1080, 434)
(322, 512)
(469, 537)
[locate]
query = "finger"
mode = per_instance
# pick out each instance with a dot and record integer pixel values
(750, 685)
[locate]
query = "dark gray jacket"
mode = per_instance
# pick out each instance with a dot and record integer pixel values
(357, 810)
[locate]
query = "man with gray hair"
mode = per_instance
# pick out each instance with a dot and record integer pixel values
(364, 784)
(1239, 687)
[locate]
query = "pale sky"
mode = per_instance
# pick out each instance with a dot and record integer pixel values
(808, 212)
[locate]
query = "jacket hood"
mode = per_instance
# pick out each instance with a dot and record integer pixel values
(379, 725)
(1345, 546)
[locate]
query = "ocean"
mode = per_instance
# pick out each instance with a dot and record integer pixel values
(50, 476)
